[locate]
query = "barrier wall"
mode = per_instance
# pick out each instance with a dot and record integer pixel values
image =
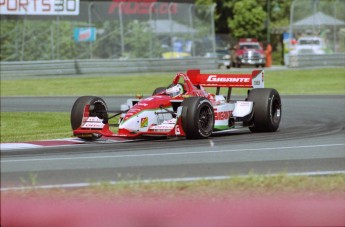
(101, 66)
(299, 61)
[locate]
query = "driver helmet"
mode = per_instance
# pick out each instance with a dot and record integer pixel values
(174, 90)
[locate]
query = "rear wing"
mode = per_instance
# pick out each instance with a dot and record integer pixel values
(254, 80)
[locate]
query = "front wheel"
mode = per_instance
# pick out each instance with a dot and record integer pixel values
(77, 113)
(267, 109)
(197, 117)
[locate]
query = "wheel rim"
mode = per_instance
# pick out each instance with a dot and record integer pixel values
(276, 111)
(205, 118)
(99, 111)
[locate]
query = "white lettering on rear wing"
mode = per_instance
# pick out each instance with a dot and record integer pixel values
(254, 80)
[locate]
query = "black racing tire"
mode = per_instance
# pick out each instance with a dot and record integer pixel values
(158, 90)
(77, 112)
(197, 117)
(267, 109)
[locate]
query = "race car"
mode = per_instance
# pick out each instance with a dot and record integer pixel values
(183, 109)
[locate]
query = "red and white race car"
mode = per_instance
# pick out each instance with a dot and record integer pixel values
(183, 109)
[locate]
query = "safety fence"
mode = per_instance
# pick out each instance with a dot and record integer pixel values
(322, 20)
(111, 30)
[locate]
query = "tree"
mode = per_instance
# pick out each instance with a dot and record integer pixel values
(141, 40)
(249, 19)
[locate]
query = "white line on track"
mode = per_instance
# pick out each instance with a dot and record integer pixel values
(173, 153)
(186, 179)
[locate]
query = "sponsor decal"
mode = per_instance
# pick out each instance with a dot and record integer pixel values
(177, 130)
(94, 119)
(142, 7)
(93, 122)
(93, 125)
(215, 78)
(223, 115)
(39, 7)
(144, 122)
(165, 127)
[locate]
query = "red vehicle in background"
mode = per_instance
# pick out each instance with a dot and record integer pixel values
(249, 51)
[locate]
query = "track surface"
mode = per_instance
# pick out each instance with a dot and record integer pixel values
(311, 138)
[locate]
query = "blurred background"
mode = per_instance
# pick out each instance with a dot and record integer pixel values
(167, 29)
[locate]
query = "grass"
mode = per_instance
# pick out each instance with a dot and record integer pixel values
(288, 82)
(235, 186)
(31, 126)
(250, 184)
(308, 82)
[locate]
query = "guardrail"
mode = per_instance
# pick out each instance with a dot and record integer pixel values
(298, 61)
(102, 66)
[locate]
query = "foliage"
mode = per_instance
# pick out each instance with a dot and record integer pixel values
(7, 46)
(248, 20)
(110, 47)
(139, 36)
(29, 40)
(279, 12)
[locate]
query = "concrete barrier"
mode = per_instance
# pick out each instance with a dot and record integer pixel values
(309, 60)
(94, 66)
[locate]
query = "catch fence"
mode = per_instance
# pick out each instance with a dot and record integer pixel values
(111, 30)
(316, 34)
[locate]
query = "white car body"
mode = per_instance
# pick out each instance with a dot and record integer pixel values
(309, 45)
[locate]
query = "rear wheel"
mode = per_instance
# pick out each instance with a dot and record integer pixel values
(267, 109)
(99, 110)
(197, 117)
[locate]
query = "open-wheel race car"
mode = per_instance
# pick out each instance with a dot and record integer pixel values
(183, 109)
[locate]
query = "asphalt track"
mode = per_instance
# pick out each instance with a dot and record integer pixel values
(310, 140)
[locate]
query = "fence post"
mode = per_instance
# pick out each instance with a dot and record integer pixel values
(170, 21)
(23, 39)
(121, 29)
(58, 35)
(192, 27)
(150, 21)
(17, 42)
(213, 28)
(90, 21)
(52, 40)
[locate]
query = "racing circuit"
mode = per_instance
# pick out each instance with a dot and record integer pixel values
(310, 141)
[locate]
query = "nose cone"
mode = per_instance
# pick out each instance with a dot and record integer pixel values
(143, 114)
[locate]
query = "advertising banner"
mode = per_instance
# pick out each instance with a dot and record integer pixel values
(84, 34)
(39, 7)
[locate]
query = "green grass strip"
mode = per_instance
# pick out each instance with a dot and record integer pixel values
(31, 126)
(315, 81)
(236, 186)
